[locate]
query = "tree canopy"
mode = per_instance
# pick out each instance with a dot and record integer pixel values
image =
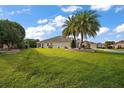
(11, 33)
(31, 43)
(108, 44)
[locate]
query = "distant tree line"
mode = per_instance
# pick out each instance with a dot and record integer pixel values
(108, 44)
(31, 43)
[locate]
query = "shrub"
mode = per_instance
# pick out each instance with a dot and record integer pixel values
(65, 47)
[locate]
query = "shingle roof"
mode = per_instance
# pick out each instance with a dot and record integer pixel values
(122, 41)
(89, 42)
(56, 39)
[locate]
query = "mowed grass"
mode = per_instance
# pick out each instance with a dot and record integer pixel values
(59, 68)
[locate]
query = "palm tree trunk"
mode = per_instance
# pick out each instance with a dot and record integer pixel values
(81, 44)
(8, 45)
(75, 40)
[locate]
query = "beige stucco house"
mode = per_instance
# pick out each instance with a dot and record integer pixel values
(3, 46)
(100, 45)
(62, 42)
(119, 44)
(56, 42)
(92, 44)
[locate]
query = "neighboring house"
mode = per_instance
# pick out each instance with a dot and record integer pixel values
(62, 42)
(111, 46)
(3, 46)
(56, 42)
(119, 44)
(92, 44)
(100, 45)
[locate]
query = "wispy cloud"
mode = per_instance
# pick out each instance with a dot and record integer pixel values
(117, 36)
(22, 11)
(118, 9)
(12, 12)
(103, 30)
(101, 7)
(119, 28)
(41, 21)
(1, 10)
(71, 8)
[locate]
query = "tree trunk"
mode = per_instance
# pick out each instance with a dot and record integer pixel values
(81, 44)
(9, 46)
(75, 40)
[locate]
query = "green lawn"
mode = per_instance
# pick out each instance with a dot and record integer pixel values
(61, 68)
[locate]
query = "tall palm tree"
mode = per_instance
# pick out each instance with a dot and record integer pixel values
(84, 23)
(87, 24)
(69, 28)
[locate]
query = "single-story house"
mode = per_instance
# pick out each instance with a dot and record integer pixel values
(119, 44)
(100, 45)
(62, 42)
(3, 46)
(55, 42)
(92, 44)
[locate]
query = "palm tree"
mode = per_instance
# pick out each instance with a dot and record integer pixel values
(84, 23)
(69, 28)
(87, 24)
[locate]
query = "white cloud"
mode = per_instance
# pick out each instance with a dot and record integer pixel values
(117, 36)
(40, 21)
(59, 21)
(71, 8)
(12, 12)
(70, 15)
(119, 28)
(103, 30)
(118, 9)
(1, 10)
(44, 29)
(23, 11)
(39, 31)
(101, 7)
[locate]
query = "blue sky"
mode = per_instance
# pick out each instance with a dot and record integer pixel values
(42, 22)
